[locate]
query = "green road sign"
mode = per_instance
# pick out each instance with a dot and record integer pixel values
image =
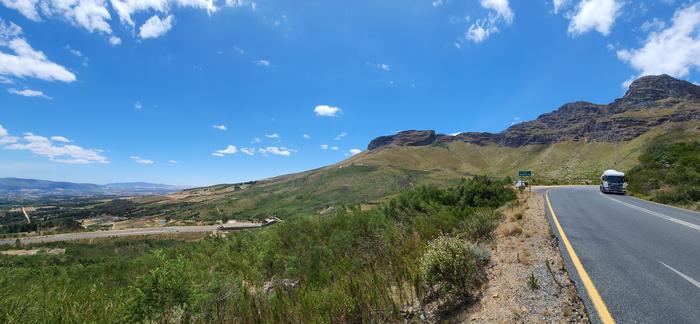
(524, 173)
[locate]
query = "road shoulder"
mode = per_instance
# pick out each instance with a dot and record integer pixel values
(523, 247)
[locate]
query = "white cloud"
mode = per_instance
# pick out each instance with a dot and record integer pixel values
(327, 111)
(60, 153)
(437, 3)
(264, 63)
(73, 51)
(114, 40)
(484, 27)
(26, 62)
(283, 151)
(5, 137)
(674, 50)
(335, 148)
(217, 154)
(559, 4)
(501, 7)
(248, 151)
(125, 8)
(155, 27)
(172, 161)
(60, 139)
(273, 135)
(25, 7)
(28, 93)
(92, 15)
(140, 160)
(481, 30)
(220, 127)
(306, 136)
(257, 140)
(138, 105)
(324, 146)
(340, 136)
(355, 151)
(599, 15)
(231, 149)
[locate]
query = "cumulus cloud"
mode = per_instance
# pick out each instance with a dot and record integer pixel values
(273, 135)
(340, 136)
(138, 105)
(220, 127)
(674, 50)
(155, 27)
(56, 152)
(335, 148)
(114, 40)
(248, 151)
(26, 62)
(172, 161)
(231, 149)
(306, 136)
(28, 93)
(60, 139)
(599, 15)
(324, 146)
(274, 150)
(355, 151)
(125, 8)
(92, 15)
(327, 111)
(482, 28)
(140, 160)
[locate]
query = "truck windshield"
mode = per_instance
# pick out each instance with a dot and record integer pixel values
(615, 179)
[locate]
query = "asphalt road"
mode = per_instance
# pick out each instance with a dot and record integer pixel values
(126, 232)
(642, 258)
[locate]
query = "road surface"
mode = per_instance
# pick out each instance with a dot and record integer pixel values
(633, 261)
(126, 232)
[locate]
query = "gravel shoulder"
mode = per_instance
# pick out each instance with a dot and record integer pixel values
(522, 248)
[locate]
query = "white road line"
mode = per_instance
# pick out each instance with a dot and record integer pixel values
(659, 215)
(683, 275)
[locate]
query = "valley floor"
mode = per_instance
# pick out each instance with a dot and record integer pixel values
(523, 246)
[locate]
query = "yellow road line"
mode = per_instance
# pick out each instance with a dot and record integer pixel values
(598, 302)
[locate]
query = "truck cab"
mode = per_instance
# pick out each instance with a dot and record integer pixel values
(613, 181)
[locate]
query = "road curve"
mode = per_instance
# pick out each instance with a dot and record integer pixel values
(642, 258)
(126, 232)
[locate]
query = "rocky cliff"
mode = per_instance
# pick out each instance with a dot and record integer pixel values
(649, 102)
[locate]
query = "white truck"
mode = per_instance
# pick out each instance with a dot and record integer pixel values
(613, 181)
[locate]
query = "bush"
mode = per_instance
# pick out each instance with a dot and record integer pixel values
(482, 223)
(453, 266)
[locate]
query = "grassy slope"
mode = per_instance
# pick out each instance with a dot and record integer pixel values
(371, 176)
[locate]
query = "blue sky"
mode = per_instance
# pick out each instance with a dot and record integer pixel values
(106, 91)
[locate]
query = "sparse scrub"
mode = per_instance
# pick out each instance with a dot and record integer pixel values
(668, 173)
(348, 265)
(511, 229)
(453, 266)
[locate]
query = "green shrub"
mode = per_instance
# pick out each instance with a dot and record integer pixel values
(453, 266)
(482, 223)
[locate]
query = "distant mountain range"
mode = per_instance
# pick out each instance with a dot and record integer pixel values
(17, 187)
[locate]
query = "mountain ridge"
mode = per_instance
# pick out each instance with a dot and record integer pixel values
(649, 102)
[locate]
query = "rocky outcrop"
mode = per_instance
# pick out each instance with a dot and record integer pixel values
(649, 102)
(405, 138)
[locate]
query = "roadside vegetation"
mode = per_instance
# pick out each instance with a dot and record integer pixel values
(668, 173)
(422, 247)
